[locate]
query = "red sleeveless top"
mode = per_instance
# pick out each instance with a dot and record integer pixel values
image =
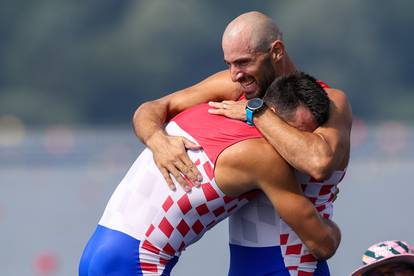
(215, 132)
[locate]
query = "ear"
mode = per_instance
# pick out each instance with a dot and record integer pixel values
(277, 50)
(272, 108)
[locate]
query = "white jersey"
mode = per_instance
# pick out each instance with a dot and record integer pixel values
(165, 221)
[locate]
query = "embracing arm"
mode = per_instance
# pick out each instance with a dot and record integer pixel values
(277, 181)
(316, 153)
(151, 116)
(169, 152)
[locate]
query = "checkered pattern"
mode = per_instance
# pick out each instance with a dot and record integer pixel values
(166, 222)
(255, 225)
(185, 217)
(297, 257)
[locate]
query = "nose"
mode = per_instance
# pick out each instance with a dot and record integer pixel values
(235, 73)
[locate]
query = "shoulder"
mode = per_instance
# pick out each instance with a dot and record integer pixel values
(246, 165)
(267, 168)
(340, 107)
(255, 155)
(337, 95)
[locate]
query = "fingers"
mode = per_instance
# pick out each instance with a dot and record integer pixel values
(229, 102)
(179, 178)
(177, 169)
(190, 170)
(167, 178)
(219, 107)
(223, 104)
(217, 111)
(172, 160)
(215, 104)
(190, 145)
(231, 109)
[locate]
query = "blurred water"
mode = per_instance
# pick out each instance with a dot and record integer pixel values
(54, 184)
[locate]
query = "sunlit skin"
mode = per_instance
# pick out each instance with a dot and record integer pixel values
(253, 70)
(302, 119)
(255, 53)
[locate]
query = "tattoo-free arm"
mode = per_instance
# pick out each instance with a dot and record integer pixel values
(277, 181)
(318, 153)
(170, 152)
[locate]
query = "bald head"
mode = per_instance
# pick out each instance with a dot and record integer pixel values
(254, 29)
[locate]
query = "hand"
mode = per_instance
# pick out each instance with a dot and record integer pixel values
(230, 109)
(170, 156)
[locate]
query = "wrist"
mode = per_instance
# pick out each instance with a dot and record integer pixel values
(157, 137)
(261, 115)
(253, 108)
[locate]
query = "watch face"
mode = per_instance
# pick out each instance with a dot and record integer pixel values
(255, 103)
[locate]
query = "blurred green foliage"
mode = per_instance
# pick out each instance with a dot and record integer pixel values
(94, 62)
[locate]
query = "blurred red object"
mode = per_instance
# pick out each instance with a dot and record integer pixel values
(45, 263)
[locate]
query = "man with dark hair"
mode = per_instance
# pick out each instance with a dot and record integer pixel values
(145, 225)
(292, 93)
(255, 53)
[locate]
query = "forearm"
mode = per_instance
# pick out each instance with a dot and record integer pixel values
(169, 152)
(308, 152)
(321, 236)
(330, 239)
(283, 190)
(148, 121)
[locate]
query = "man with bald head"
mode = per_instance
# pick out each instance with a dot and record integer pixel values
(255, 54)
(246, 38)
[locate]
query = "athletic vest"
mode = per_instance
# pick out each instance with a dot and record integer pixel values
(167, 222)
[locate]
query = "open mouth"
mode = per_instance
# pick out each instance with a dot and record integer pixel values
(247, 83)
(249, 86)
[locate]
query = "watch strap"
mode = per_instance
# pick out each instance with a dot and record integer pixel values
(249, 117)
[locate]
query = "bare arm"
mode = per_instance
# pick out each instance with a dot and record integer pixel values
(169, 152)
(318, 153)
(254, 164)
(321, 236)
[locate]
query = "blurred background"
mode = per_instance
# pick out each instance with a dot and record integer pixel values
(72, 74)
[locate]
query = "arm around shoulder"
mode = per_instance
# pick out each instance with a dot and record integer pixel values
(150, 117)
(169, 152)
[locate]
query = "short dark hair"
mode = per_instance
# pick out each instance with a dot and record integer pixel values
(288, 92)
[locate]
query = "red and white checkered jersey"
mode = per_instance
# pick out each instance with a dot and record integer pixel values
(166, 222)
(257, 224)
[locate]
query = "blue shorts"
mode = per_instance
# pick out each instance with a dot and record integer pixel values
(110, 252)
(260, 261)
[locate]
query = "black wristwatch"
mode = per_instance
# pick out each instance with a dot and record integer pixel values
(253, 106)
